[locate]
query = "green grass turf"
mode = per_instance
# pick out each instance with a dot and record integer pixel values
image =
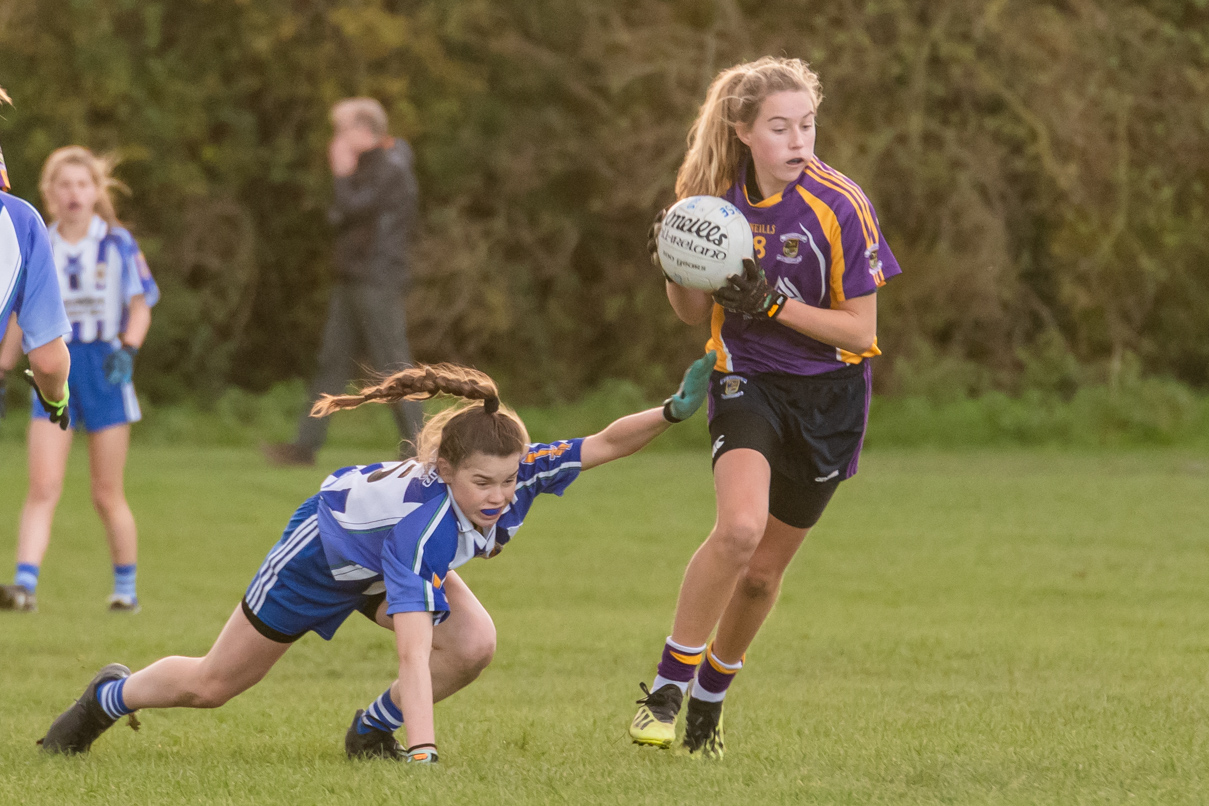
(1019, 627)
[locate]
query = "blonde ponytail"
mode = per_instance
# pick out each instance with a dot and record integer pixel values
(715, 152)
(455, 432)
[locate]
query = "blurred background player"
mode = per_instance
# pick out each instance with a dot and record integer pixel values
(29, 293)
(789, 397)
(383, 539)
(108, 293)
(373, 213)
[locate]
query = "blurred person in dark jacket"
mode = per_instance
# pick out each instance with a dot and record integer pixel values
(373, 214)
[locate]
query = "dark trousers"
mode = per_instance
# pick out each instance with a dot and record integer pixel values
(362, 320)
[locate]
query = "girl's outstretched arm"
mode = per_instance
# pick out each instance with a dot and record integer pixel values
(413, 639)
(633, 432)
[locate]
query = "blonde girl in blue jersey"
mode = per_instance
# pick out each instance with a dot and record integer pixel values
(108, 293)
(384, 540)
(788, 400)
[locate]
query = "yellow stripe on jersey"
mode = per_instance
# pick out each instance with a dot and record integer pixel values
(769, 202)
(853, 195)
(831, 226)
(715, 339)
(855, 358)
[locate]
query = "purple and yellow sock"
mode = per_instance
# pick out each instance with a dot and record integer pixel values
(382, 714)
(714, 677)
(677, 665)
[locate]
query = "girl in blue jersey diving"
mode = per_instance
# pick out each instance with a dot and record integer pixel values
(108, 293)
(384, 540)
(789, 397)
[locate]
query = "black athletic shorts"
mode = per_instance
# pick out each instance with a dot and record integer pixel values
(809, 427)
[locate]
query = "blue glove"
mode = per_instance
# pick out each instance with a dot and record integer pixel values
(119, 365)
(57, 411)
(692, 391)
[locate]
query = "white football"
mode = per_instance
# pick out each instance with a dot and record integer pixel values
(702, 241)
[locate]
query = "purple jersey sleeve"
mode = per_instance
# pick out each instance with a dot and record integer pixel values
(868, 261)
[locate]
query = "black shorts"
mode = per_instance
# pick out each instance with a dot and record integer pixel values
(809, 427)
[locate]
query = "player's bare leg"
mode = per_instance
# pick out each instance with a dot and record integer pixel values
(239, 659)
(749, 605)
(462, 645)
(49, 447)
(107, 450)
(741, 481)
(757, 590)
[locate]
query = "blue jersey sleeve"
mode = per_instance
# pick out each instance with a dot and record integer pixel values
(549, 468)
(136, 275)
(37, 300)
(416, 557)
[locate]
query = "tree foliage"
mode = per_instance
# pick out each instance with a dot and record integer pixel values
(1040, 170)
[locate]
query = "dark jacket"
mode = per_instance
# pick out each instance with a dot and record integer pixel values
(374, 213)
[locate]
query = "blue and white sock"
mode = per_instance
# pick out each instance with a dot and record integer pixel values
(382, 714)
(27, 576)
(109, 697)
(123, 580)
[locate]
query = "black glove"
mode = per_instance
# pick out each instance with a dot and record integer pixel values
(749, 294)
(652, 241)
(57, 411)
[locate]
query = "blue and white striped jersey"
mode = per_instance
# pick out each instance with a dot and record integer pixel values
(98, 276)
(397, 522)
(27, 275)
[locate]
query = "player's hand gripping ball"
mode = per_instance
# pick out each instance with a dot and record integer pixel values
(701, 241)
(692, 391)
(749, 293)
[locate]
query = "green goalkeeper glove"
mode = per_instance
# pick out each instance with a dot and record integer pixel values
(57, 411)
(692, 391)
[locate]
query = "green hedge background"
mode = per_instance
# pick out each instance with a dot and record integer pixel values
(1040, 170)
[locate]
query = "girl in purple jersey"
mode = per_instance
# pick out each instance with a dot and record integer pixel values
(788, 401)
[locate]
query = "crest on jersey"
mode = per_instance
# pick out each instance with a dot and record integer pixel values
(791, 245)
(101, 272)
(732, 386)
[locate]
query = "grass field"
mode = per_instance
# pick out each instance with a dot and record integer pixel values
(1014, 627)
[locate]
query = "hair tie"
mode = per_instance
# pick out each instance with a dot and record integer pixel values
(491, 405)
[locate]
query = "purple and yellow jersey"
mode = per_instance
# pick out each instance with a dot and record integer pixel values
(818, 242)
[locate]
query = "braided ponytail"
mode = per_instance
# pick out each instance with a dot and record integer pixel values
(453, 433)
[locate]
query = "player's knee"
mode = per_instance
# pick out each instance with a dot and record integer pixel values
(211, 693)
(738, 537)
(477, 651)
(43, 492)
(759, 584)
(107, 501)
